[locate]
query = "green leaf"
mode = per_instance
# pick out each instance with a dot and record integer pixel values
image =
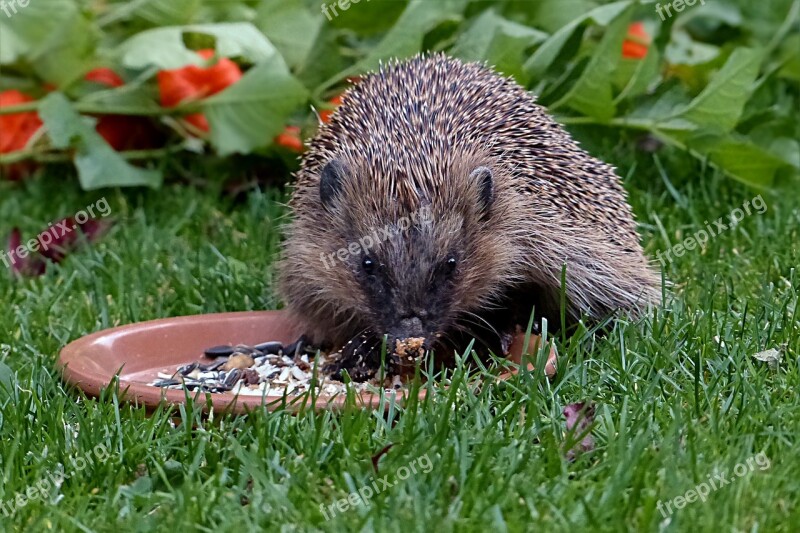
(734, 155)
(552, 15)
(164, 48)
(721, 103)
(32, 29)
(251, 112)
(683, 50)
(666, 105)
(592, 94)
(499, 42)
(546, 54)
(165, 12)
(640, 74)
(130, 99)
(780, 138)
(97, 163)
(291, 27)
(363, 17)
(712, 14)
(405, 37)
(790, 57)
(746, 162)
(787, 150)
(789, 21)
(54, 36)
(324, 60)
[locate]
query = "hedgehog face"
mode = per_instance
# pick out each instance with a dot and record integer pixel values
(410, 281)
(416, 262)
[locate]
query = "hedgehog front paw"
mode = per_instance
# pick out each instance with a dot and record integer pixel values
(360, 358)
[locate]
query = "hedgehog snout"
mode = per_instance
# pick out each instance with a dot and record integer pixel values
(409, 326)
(412, 327)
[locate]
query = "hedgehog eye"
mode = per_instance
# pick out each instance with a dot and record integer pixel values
(368, 265)
(450, 265)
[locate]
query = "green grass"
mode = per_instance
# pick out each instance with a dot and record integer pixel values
(674, 405)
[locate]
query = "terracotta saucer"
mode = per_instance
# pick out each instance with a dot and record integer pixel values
(136, 353)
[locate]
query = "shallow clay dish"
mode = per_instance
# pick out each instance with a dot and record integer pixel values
(138, 352)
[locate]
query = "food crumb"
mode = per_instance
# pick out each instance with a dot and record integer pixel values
(411, 347)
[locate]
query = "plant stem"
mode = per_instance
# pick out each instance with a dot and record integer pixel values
(634, 124)
(89, 108)
(63, 157)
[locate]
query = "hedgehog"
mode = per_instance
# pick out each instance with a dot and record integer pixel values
(441, 202)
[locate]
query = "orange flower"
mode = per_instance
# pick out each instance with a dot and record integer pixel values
(17, 128)
(125, 132)
(104, 76)
(16, 131)
(636, 42)
(194, 83)
(121, 132)
(290, 139)
(325, 114)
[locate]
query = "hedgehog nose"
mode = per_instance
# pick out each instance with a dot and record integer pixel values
(412, 326)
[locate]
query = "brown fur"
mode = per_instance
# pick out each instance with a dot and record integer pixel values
(410, 136)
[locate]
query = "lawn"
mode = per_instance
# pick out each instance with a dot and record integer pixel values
(696, 415)
(679, 398)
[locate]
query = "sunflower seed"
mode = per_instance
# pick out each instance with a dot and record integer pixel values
(219, 351)
(269, 348)
(185, 370)
(166, 382)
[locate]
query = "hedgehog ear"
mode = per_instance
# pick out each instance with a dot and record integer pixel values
(330, 181)
(485, 180)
